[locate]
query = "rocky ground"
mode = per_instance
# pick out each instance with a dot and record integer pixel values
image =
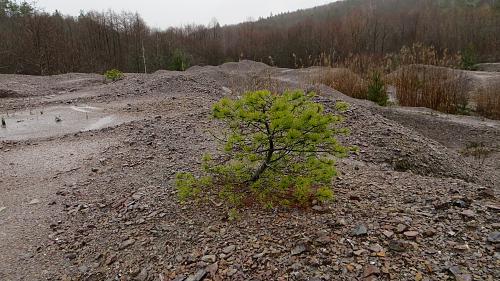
(100, 204)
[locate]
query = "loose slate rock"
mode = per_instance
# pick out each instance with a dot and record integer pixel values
(494, 237)
(126, 243)
(299, 249)
(198, 276)
(229, 249)
(370, 271)
(411, 234)
(360, 230)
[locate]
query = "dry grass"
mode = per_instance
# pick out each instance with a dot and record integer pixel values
(488, 103)
(438, 88)
(344, 81)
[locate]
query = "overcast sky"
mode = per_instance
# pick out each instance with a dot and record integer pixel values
(165, 13)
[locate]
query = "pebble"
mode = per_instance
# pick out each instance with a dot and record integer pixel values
(299, 249)
(468, 213)
(371, 270)
(360, 230)
(209, 258)
(401, 228)
(388, 233)
(126, 244)
(411, 234)
(494, 237)
(376, 248)
(34, 201)
(229, 249)
(198, 276)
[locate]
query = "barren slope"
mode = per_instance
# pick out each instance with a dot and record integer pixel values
(104, 207)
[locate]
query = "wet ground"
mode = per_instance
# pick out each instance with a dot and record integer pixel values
(59, 120)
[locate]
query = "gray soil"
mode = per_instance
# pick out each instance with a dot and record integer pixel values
(87, 193)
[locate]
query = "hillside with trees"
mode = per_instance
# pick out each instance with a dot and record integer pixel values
(36, 42)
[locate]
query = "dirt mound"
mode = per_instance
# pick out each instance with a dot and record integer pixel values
(244, 66)
(5, 93)
(490, 67)
(387, 143)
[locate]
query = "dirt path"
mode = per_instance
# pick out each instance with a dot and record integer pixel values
(31, 176)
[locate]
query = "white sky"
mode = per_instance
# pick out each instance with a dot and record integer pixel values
(165, 13)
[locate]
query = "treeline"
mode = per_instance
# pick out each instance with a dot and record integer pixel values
(35, 42)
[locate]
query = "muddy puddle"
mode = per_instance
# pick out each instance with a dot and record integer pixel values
(58, 120)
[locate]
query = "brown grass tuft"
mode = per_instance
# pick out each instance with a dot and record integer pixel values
(437, 88)
(344, 81)
(488, 103)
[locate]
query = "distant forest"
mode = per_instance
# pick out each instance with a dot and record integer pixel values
(36, 42)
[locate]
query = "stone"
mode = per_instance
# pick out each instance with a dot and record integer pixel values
(209, 258)
(459, 274)
(461, 247)
(126, 244)
(376, 248)
(299, 249)
(231, 272)
(319, 209)
(359, 252)
(411, 234)
(494, 237)
(430, 232)
(229, 249)
(370, 271)
(198, 276)
(468, 213)
(397, 246)
(401, 228)
(212, 269)
(34, 201)
(360, 230)
(388, 233)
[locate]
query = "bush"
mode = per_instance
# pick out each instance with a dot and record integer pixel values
(114, 75)
(279, 149)
(376, 90)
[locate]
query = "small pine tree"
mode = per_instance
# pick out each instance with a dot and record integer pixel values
(114, 75)
(376, 90)
(279, 149)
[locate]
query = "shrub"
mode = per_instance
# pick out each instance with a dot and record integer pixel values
(376, 90)
(279, 149)
(477, 150)
(114, 75)
(488, 102)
